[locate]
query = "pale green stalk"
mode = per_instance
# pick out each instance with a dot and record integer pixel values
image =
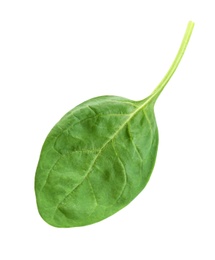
(176, 62)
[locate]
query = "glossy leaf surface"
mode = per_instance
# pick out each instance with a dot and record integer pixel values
(99, 157)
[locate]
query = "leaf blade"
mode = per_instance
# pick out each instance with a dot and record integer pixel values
(94, 157)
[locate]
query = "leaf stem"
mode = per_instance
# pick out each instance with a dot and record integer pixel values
(176, 61)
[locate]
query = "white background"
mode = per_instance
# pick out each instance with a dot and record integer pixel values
(56, 54)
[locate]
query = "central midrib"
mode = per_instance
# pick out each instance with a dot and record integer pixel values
(106, 143)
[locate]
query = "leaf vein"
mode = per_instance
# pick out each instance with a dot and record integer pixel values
(124, 171)
(134, 145)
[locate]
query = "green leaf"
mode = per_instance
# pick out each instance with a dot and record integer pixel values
(99, 157)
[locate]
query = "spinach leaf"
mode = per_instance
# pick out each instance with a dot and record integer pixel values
(99, 156)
